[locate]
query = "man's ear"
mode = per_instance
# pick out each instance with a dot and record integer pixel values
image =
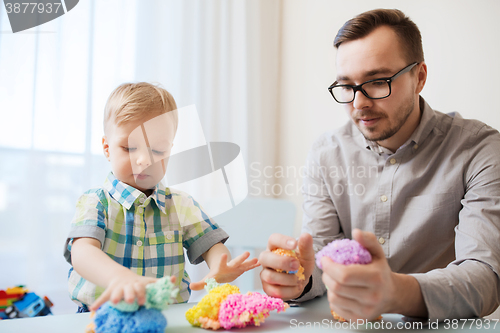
(421, 76)
(105, 147)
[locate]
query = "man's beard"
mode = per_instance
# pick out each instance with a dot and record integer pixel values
(402, 115)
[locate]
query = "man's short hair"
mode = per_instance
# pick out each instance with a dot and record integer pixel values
(136, 101)
(363, 24)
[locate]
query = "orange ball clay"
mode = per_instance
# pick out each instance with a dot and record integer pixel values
(342, 319)
(290, 253)
(337, 317)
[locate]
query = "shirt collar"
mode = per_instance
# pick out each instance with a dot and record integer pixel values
(427, 123)
(126, 195)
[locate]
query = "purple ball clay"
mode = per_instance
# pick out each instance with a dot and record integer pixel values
(344, 251)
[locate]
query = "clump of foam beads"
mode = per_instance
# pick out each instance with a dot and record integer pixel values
(206, 312)
(251, 309)
(345, 252)
(290, 253)
(224, 306)
(132, 318)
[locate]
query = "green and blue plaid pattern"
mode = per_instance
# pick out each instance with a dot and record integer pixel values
(144, 234)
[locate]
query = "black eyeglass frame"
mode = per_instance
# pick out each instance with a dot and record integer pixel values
(359, 87)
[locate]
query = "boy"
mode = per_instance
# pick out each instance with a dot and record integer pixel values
(132, 231)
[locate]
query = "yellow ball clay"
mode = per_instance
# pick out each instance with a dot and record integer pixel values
(206, 313)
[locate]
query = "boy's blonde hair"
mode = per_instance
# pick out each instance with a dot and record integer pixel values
(135, 101)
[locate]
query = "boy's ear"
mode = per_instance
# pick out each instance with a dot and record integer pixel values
(105, 147)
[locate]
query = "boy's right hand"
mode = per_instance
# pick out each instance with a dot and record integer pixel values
(128, 287)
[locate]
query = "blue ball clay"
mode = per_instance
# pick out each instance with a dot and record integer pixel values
(132, 318)
(110, 320)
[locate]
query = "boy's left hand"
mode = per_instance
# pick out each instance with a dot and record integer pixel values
(225, 271)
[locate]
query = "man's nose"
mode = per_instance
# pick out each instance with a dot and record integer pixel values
(361, 101)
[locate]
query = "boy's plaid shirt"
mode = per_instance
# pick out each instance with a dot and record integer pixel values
(145, 234)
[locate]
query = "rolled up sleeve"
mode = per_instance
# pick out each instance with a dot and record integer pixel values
(200, 231)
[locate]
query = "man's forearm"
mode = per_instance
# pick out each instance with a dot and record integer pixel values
(408, 299)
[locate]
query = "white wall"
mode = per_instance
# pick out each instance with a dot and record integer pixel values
(461, 48)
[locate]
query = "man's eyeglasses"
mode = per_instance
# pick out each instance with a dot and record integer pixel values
(373, 89)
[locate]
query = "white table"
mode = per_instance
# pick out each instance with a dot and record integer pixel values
(309, 317)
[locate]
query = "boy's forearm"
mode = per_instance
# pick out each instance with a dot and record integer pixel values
(212, 256)
(93, 264)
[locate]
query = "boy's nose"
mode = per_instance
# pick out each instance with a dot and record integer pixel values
(144, 159)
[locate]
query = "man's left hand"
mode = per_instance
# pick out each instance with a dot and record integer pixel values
(360, 291)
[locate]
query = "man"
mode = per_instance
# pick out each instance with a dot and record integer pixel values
(422, 185)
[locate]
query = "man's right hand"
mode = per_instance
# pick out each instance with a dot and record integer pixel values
(283, 285)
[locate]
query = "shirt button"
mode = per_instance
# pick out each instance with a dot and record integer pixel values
(393, 161)
(139, 243)
(141, 200)
(169, 236)
(383, 198)
(415, 147)
(381, 240)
